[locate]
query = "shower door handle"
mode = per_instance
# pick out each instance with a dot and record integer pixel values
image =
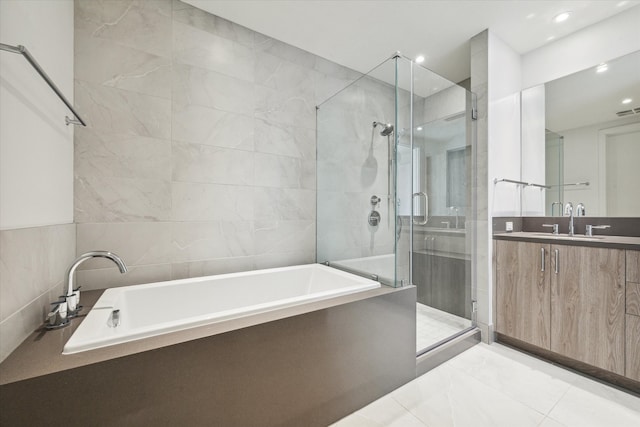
(426, 208)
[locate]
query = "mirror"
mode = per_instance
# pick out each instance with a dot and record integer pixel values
(592, 144)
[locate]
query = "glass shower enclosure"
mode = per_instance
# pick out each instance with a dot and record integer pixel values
(395, 169)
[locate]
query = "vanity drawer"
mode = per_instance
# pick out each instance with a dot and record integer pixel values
(633, 266)
(633, 298)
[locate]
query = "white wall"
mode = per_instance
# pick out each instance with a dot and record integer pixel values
(504, 127)
(36, 166)
(581, 164)
(36, 147)
(533, 158)
(601, 42)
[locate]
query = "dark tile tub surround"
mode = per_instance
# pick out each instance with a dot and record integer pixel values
(619, 226)
(307, 370)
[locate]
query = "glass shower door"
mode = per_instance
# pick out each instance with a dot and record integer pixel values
(441, 165)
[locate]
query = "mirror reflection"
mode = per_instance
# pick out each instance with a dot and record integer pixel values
(592, 121)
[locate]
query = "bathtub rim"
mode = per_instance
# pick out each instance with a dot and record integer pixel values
(109, 300)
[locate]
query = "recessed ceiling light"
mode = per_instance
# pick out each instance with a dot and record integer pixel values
(602, 68)
(419, 128)
(419, 59)
(627, 101)
(561, 17)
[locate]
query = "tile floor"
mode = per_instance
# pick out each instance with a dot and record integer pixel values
(493, 386)
(434, 325)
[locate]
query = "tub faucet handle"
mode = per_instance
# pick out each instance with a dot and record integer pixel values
(57, 317)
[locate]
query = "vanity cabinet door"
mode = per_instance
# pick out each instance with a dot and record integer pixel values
(523, 292)
(587, 305)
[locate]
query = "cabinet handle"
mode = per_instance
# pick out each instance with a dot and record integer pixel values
(542, 259)
(557, 255)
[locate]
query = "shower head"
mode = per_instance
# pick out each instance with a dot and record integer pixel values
(387, 128)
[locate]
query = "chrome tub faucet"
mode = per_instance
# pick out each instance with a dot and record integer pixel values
(69, 306)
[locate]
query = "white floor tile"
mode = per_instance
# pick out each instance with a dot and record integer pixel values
(499, 386)
(447, 397)
(582, 407)
(541, 391)
(550, 422)
(383, 412)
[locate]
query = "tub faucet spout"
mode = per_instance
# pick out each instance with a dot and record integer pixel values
(69, 292)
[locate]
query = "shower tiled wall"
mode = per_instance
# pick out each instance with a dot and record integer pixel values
(199, 154)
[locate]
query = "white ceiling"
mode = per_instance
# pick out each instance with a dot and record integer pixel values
(588, 97)
(361, 34)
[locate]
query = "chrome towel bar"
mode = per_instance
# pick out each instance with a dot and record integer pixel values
(31, 60)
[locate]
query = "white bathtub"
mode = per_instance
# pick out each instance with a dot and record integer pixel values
(158, 308)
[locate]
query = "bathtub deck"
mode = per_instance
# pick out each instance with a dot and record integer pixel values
(301, 369)
(41, 352)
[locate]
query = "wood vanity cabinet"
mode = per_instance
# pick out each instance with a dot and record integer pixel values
(632, 363)
(567, 299)
(587, 305)
(523, 292)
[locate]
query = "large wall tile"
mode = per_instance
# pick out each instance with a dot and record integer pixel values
(111, 277)
(286, 107)
(193, 85)
(202, 20)
(284, 236)
(200, 48)
(208, 126)
(32, 260)
(284, 203)
(277, 171)
(197, 241)
(137, 243)
(21, 324)
(210, 202)
(144, 25)
(210, 267)
(274, 138)
(284, 51)
(33, 263)
(201, 163)
(200, 157)
(122, 156)
(99, 199)
(284, 259)
(110, 64)
(282, 75)
(123, 112)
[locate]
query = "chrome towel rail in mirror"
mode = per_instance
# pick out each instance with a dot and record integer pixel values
(24, 52)
(528, 184)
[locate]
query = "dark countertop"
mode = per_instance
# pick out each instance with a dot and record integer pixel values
(614, 242)
(41, 352)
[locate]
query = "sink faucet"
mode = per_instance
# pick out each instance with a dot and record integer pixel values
(568, 210)
(580, 211)
(455, 209)
(72, 299)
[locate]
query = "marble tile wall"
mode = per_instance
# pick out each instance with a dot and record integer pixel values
(199, 156)
(33, 263)
(481, 268)
(346, 137)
